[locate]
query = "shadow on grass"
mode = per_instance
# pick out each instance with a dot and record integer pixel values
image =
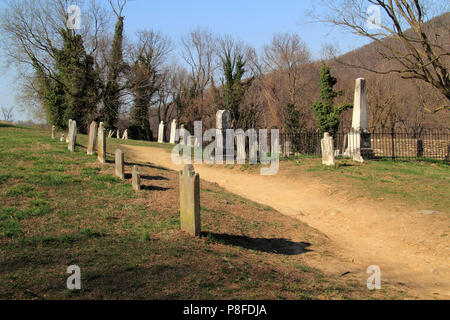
(277, 246)
(6, 125)
(154, 188)
(144, 177)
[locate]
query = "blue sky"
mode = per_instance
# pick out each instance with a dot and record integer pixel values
(253, 21)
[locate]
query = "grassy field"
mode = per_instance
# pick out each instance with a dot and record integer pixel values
(60, 209)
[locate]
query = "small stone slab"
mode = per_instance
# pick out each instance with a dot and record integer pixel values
(101, 143)
(92, 137)
(119, 164)
(190, 201)
(136, 179)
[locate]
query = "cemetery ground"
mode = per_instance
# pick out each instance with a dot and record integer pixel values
(372, 212)
(60, 208)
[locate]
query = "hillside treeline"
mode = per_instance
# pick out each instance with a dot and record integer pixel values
(134, 81)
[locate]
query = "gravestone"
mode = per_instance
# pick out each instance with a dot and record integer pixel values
(223, 122)
(327, 145)
(190, 201)
(190, 141)
(161, 132)
(118, 134)
(197, 143)
(125, 135)
(68, 132)
(110, 133)
(240, 147)
(92, 137)
(119, 165)
(53, 132)
(183, 135)
(287, 148)
(62, 137)
(73, 136)
(173, 131)
(253, 150)
(101, 143)
(359, 139)
(135, 179)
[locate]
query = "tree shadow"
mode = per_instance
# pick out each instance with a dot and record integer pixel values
(154, 188)
(277, 246)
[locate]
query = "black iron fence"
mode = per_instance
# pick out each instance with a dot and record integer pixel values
(398, 143)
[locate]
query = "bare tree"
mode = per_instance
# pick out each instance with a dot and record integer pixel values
(198, 51)
(416, 47)
(8, 114)
(284, 80)
(146, 77)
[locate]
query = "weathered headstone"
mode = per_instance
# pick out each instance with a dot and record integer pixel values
(62, 138)
(101, 143)
(190, 141)
(287, 148)
(118, 134)
(183, 135)
(68, 132)
(161, 132)
(190, 201)
(136, 179)
(73, 136)
(110, 133)
(92, 137)
(327, 145)
(253, 150)
(223, 122)
(240, 147)
(173, 131)
(53, 132)
(125, 135)
(119, 164)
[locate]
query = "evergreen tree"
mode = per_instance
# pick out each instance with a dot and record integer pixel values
(233, 86)
(143, 84)
(326, 114)
(51, 94)
(111, 96)
(72, 91)
(293, 125)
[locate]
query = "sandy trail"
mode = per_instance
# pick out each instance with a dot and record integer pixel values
(409, 248)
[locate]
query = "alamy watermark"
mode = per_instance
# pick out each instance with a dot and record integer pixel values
(74, 280)
(222, 150)
(374, 281)
(74, 17)
(373, 21)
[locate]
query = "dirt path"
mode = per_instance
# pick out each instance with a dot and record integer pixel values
(408, 247)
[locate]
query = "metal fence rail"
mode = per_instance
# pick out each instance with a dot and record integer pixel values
(395, 144)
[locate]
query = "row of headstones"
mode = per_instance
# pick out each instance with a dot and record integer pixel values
(223, 122)
(124, 136)
(173, 133)
(97, 134)
(189, 180)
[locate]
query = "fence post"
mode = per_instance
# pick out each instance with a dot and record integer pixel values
(393, 144)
